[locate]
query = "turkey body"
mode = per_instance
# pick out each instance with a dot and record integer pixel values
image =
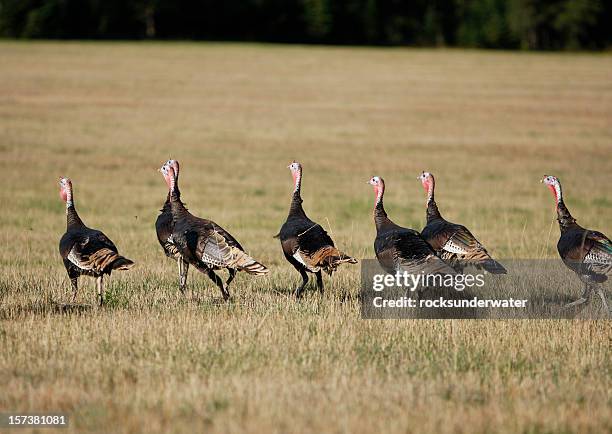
(309, 248)
(586, 252)
(456, 245)
(208, 247)
(403, 249)
(88, 252)
(306, 245)
(164, 226)
(453, 242)
(205, 245)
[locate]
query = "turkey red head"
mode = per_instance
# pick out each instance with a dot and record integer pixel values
(296, 172)
(554, 185)
(66, 190)
(169, 174)
(428, 181)
(379, 188)
(175, 165)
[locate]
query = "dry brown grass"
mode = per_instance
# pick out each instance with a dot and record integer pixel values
(488, 124)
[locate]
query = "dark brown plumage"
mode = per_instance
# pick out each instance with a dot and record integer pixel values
(164, 226)
(305, 243)
(587, 253)
(454, 243)
(402, 249)
(204, 244)
(86, 251)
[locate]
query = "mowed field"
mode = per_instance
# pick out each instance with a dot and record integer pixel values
(487, 124)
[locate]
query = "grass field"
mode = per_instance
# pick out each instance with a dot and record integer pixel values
(487, 124)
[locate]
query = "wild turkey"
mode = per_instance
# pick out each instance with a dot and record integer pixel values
(204, 244)
(454, 243)
(401, 249)
(305, 243)
(587, 253)
(86, 251)
(165, 226)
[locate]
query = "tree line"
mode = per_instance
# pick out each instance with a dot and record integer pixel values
(508, 24)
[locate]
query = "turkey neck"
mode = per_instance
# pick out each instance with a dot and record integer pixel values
(565, 219)
(380, 215)
(295, 209)
(72, 217)
(167, 206)
(177, 208)
(432, 208)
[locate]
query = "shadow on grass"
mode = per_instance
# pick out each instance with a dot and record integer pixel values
(44, 308)
(207, 299)
(559, 300)
(282, 290)
(311, 290)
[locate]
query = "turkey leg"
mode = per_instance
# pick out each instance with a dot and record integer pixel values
(183, 270)
(320, 281)
(100, 289)
(232, 274)
(219, 283)
(300, 289)
(586, 294)
(602, 295)
(74, 282)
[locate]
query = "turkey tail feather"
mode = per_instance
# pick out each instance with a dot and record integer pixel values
(494, 267)
(254, 267)
(244, 262)
(479, 259)
(329, 258)
(122, 263)
(105, 259)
